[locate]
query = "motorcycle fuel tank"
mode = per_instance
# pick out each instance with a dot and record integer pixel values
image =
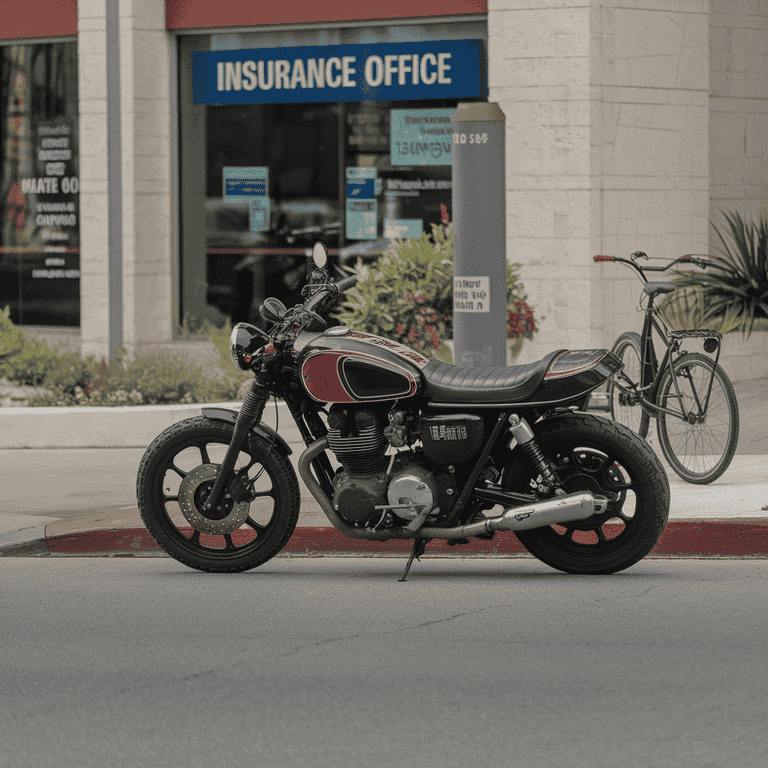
(345, 366)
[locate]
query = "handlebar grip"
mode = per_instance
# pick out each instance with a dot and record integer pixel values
(603, 258)
(346, 283)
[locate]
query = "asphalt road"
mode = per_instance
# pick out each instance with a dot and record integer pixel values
(332, 662)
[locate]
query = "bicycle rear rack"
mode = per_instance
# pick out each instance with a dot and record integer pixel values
(676, 338)
(696, 333)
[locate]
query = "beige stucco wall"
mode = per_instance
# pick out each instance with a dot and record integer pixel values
(620, 116)
(607, 147)
(145, 53)
(738, 107)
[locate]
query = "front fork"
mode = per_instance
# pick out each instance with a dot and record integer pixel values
(250, 413)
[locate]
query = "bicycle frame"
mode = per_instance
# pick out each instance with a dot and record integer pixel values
(651, 371)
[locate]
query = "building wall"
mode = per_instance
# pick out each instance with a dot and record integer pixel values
(653, 143)
(148, 224)
(202, 14)
(607, 151)
(42, 18)
(608, 109)
(738, 107)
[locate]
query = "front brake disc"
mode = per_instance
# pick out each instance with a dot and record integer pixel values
(193, 493)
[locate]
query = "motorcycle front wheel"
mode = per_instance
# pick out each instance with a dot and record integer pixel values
(589, 453)
(177, 472)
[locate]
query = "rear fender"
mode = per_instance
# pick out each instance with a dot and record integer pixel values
(262, 430)
(573, 375)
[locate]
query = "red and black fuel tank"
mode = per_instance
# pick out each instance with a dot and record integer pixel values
(345, 366)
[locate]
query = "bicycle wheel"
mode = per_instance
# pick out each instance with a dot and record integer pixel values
(701, 447)
(625, 407)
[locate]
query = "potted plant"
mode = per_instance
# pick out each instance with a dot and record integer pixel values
(733, 291)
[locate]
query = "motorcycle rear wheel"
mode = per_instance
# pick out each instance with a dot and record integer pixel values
(589, 453)
(197, 445)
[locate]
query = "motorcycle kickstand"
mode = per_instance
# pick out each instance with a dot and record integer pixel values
(419, 545)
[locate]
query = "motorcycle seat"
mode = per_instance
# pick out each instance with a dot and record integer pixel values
(446, 383)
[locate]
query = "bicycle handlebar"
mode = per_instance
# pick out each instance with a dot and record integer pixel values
(688, 258)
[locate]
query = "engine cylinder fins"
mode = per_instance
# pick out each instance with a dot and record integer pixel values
(360, 454)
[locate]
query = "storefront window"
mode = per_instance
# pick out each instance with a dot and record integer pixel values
(39, 184)
(260, 182)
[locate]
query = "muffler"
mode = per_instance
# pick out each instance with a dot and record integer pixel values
(557, 511)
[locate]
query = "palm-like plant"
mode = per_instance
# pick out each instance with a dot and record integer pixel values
(736, 284)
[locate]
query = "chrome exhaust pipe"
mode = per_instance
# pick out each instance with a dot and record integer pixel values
(561, 509)
(555, 511)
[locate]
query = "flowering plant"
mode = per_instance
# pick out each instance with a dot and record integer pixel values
(419, 325)
(407, 294)
(520, 320)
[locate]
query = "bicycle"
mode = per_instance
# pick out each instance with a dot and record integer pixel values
(689, 394)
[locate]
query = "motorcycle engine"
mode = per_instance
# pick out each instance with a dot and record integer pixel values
(359, 437)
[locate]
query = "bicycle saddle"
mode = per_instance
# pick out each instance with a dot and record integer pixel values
(652, 289)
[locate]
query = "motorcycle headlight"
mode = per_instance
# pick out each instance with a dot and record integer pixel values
(244, 342)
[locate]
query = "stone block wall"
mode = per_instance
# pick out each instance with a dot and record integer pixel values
(738, 107)
(145, 54)
(651, 143)
(539, 73)
(607, 150)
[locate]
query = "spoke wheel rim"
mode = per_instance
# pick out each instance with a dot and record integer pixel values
(700, 448)
(230, 544)
(590, 468)
(628, 415)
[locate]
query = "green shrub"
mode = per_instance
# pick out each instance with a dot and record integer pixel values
(407, 295)
(149, 378)
(28, 361)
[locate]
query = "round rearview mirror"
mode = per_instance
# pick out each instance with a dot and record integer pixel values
(320, 255)
(272, 309)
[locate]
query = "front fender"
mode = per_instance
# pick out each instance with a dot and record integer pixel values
(263, 430)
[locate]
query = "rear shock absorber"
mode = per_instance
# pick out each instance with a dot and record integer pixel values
(523, 433)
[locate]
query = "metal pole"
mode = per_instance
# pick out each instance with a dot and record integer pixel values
(114, 178)
(479, 236)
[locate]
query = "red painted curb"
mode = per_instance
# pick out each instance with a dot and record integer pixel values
(695, 538)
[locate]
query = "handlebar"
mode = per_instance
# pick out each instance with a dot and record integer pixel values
(328, 292)
(689, 258)
(346, 283)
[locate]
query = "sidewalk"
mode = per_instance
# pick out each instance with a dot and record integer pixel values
(48, 494)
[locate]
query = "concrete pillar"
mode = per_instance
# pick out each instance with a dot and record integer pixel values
(607, 148)
(146, 77)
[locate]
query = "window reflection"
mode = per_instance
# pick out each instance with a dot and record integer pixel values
(229, 265)
(39, 184)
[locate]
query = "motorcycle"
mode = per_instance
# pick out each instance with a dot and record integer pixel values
(400, 446)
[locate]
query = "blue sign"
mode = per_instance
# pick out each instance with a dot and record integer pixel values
(421, 136)
(362, 189)
(403, 229)
(361, 216)
(361, 219)
(245, 187)
(250, 182)
(437, 69)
